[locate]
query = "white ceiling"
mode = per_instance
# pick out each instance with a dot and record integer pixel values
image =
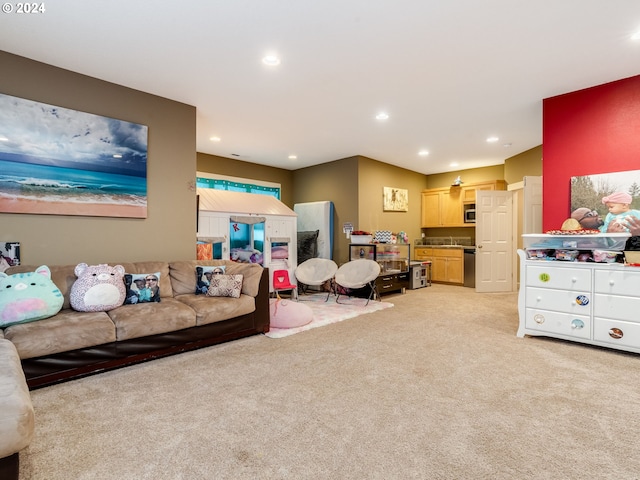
(449, 73)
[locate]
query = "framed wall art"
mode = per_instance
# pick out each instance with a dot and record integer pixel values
(395, 199)
(590, 195)
(58, 161)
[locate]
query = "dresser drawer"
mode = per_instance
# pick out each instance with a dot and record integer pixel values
(616, 332)
(391, 282)
(551, 276)
(617, 306)
(618, 282)
(575, 303)
(578, 326)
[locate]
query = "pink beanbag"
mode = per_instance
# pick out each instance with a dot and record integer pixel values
(289, 314)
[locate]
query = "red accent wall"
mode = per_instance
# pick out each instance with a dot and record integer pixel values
(591, 131)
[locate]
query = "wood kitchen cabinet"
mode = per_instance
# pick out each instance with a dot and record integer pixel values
(446, 263)
(442, 207)
(468, 194)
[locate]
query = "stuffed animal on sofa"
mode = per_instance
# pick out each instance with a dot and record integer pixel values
(98, 288)
(27, 297)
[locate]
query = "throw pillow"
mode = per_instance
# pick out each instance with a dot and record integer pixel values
(307, 245)
(142, 287)
(204, 274)
(98, 288)
(225, 286)
(27, 297)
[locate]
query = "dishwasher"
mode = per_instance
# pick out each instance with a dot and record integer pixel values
(470, 267)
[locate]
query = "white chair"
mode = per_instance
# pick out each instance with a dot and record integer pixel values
(358, 274)
(315, 272)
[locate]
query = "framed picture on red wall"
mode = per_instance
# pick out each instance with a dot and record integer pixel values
(609, 202)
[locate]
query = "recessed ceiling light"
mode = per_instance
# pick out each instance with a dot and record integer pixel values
(293, 157)
(4, 139)
(214, 139)
(492, 139)
(423, 153)
(636, 36)
(382, 116)
(271, 60)
(117, 155)
(453, 164)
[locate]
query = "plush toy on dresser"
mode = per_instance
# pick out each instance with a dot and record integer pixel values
(99, 288)
(26, 297)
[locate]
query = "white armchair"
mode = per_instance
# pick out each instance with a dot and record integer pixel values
(315, 272)
(358, 274)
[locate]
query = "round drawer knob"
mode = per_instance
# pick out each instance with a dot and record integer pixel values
(611, 282)
(538, 318)
(616, 333)
(574, 280)
(577, 324)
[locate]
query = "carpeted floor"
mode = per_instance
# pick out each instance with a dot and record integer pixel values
(326, 312)
(438, 387)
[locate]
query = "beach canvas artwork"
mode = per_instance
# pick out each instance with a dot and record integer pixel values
(58, 161)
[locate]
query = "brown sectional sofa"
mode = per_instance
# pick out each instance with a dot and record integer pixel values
(74, 344)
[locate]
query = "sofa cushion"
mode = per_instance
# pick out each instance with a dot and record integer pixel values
(142, 287)
(183, 279)
(16, 409)
(225, 286)
(98, 288)
(62, 275)
(27, 297)
(145, 267)
(215, 309)
(68, 330)
(204, 274)
(134, 321)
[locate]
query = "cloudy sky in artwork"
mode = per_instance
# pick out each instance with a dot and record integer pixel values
(35, 132)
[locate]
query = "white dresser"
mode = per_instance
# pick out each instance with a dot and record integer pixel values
(594, 303)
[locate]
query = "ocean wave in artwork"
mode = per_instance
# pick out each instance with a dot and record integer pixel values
(107, 199)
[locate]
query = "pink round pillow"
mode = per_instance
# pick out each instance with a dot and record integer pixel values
(289, 314)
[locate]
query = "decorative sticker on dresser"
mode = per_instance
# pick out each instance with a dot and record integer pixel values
(582, 300)
(616, 333)
(544, 277)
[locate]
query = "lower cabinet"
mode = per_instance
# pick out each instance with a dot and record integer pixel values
(446, 263)
(594, 303)
(392, 282)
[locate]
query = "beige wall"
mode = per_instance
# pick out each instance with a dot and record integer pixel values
(168, 232)
(473, 175)
(373, 177)
(526, 164)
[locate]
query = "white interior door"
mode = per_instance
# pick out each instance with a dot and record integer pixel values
(532, 208)
(494, 241)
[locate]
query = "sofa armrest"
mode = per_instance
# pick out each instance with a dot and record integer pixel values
(262, 303)
(16, 409)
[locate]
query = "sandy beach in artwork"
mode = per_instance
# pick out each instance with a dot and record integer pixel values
(53, 207)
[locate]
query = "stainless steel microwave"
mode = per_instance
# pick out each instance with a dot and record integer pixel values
(470, 215)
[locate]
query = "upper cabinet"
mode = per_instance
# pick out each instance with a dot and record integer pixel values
(469, 191)
(441, 207)
(444, 207)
